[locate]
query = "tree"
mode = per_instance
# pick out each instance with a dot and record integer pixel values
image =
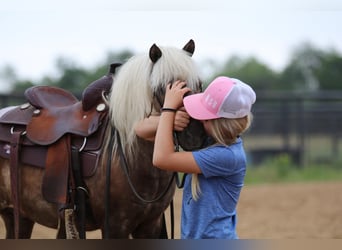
(71, 76)
(251, 71)
(330, 74)
(301, 71)
(312, 69)
(8, 78)
(309, 69)
(21, 86)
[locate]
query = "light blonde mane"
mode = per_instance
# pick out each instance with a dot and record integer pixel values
(135, 82)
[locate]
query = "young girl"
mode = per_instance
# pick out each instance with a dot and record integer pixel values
(211, 193)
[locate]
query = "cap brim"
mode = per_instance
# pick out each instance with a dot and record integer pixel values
(194, 107)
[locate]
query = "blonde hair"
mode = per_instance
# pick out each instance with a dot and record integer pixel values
(224, 131)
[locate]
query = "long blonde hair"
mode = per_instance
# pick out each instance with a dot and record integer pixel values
(224, 131)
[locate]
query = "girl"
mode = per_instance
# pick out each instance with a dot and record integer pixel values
(211, 193)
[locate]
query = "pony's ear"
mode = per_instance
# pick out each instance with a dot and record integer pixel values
(155, 53)
(190, 47)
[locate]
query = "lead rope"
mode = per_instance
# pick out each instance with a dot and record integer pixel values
(107, 188)
(124, 166)
(180, 184)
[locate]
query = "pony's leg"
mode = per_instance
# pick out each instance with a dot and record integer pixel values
(152, 229)
(8, 217)
(114, 234)
(163, 231)
(26, 225)
(61, 230)
(118, 228)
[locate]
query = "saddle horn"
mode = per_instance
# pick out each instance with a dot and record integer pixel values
(92, 95)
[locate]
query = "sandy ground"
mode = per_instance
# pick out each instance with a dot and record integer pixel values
(277, 211)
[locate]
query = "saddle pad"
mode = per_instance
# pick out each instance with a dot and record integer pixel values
(36, 156)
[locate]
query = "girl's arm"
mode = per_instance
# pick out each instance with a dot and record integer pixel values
(147, 127)
(164, 156)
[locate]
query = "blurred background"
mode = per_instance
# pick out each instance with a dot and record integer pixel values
(290, 53)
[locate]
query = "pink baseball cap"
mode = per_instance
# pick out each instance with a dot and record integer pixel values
(224, 97)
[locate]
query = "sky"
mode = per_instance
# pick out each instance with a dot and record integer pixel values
(35, 33)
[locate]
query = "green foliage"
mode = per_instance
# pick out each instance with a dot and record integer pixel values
(119, 57)
(71, 76)
(330, 74)
(282, 169)
(308, 69)
(251, 71)
(21, 86)
(300, 73)
(312, 69)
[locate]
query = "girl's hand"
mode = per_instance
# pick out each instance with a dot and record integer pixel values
(174, 94)
(182, 120)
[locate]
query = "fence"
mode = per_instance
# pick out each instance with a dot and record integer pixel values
(305, 126)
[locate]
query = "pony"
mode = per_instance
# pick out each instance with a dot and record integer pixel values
(127, 196)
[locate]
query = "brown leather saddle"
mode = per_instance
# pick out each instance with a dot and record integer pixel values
(43, 132)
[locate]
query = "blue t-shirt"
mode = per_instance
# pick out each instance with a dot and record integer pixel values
(213, 215)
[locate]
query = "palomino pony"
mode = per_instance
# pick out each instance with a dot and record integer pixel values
(125, 195)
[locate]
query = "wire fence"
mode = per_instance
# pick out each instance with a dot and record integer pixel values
(306, 126)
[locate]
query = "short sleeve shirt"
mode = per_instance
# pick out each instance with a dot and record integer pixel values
(213, 215)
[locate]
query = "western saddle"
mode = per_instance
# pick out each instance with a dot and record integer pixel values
(58, 133)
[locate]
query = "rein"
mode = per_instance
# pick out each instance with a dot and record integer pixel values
(124, 166)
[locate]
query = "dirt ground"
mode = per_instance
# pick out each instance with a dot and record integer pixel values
(272, 211)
